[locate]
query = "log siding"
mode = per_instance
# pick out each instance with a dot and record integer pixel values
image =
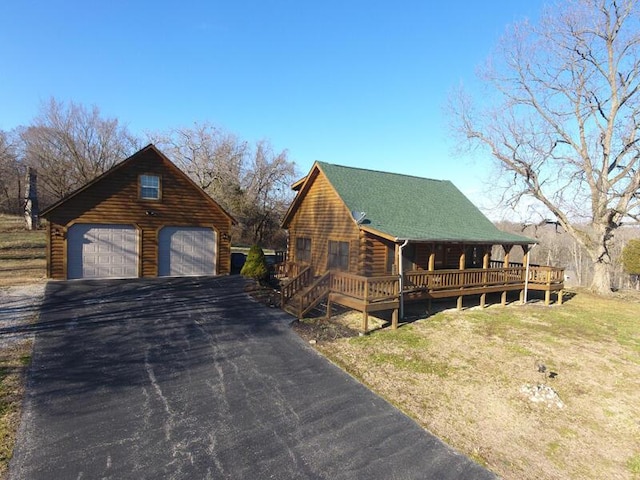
(323, 217)
(114, 198)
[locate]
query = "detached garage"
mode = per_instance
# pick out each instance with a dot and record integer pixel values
(142, 218)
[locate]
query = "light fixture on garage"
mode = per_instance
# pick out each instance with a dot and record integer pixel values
(151, 213)
(225, 237)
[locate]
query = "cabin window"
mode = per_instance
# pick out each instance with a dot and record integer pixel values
(339, 255)
(303, 249)
(150, 187)
(391, 259)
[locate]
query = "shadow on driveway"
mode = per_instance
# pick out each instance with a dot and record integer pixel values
(191, 378)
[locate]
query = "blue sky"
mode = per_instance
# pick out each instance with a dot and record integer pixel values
(359, 83)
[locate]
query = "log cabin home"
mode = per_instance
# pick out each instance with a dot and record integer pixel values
(371, 241)
(142, 218)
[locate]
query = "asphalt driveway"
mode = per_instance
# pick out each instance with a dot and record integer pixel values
(192, 379)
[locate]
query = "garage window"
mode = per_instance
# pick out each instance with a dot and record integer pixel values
(150, 187)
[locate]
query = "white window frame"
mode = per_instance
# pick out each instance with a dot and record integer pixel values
(151, 183)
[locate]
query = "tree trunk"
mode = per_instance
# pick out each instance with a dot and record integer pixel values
(601, 283)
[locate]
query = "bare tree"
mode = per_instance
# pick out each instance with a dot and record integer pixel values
(266, 193)
(11, 174)
(212, 157)
(70, 145)
(251, 183)
(563, 119)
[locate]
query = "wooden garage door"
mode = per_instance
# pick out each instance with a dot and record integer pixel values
(186, 251)
(102, 251)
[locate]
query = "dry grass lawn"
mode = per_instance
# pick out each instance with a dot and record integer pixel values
(461, 374)
(14, 361)
(22, 262)
(22, 253)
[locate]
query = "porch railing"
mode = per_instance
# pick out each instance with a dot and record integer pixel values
(456, 279)
(546, 275)
(537, 273)
(369, 289)
(500, 264)
(453, 279)
(288, 269)
(387, 288)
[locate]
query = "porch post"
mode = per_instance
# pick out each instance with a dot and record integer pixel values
(461, 264)
(485, 265)
(365, 321)
(401, 274)
(505, 265)
(432, 258)
(507, 250)
(394, 315)
(526, 250)
(394, 319)
(432, 267)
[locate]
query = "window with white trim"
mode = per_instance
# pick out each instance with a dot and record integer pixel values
(150, 187)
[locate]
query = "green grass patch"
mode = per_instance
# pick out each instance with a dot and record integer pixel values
(633, 464)
(519, 350)
(411, 364)
(585, 317)
(406, 337)
(553, 448)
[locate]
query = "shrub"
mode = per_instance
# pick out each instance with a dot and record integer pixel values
(256, 265)
(631, 260)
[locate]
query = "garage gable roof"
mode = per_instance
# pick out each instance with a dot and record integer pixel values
(405, 207)
(149, 148)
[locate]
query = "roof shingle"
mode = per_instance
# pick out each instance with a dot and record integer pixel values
(413, 208)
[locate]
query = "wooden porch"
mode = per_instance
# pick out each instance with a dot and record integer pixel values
(372, 294)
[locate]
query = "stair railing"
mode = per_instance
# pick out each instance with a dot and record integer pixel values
(314, 294)
(296, 284)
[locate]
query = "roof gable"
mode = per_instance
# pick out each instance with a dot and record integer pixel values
(405, 207)
(144, 153)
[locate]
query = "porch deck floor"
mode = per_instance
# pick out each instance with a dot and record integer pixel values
(415, 295)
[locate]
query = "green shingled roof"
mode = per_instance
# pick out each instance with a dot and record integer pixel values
(414, 208)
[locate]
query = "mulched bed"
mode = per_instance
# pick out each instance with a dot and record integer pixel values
(322, 330)
(263, 293)
(313, 330)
